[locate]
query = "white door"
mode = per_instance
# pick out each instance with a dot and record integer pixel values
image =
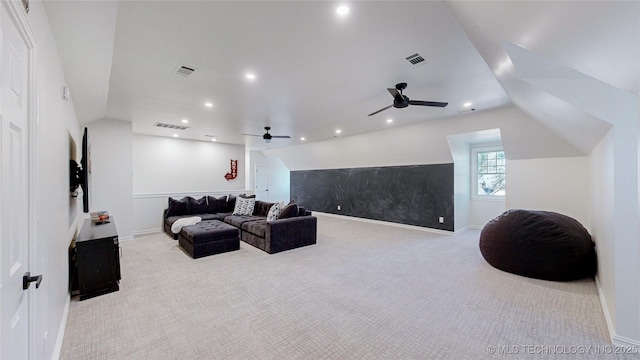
(14, 184)
(262, 182)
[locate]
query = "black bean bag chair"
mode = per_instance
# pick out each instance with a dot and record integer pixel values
(539, 244)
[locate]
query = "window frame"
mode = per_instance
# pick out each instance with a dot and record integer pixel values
(474, 172)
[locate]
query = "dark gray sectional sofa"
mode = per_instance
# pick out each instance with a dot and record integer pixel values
(296, 228)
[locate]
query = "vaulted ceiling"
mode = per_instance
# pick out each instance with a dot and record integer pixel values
(317, 72)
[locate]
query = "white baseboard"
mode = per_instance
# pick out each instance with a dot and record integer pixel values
(146, 232)
(605, 309)
(615, 339)
(63, 325)
(475, 227)
(623, 341)
(388, 223)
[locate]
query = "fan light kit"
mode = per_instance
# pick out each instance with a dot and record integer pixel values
(402, 101)
(267, 137)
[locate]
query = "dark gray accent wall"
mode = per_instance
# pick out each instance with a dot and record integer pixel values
(412, 195)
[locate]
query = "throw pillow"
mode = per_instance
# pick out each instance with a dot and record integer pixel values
(244, 206)
(230, 202)
(275, 210)
(289, 211)
(198, 206)
(178, 207)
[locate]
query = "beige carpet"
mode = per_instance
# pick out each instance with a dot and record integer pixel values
(364, 291)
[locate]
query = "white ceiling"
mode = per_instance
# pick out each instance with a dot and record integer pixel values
(317, 72)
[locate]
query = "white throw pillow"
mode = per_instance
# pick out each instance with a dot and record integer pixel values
(244, 206)
(274, 211)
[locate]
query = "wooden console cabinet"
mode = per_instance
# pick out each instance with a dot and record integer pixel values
(94, 260)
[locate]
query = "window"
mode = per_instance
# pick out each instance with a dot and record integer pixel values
(489, 172)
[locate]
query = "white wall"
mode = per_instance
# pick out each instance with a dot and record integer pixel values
(426, 143)
(279, 179)
(57, 213)
(601, 214)
(556, 184)
(481, 210)
(167, 167)
(461, 182)
(111, 172)
(175, 165)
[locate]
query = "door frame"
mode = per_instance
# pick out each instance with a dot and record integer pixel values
(16, 11)
(255, 176)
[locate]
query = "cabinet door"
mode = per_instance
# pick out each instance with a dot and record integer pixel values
(97, 265)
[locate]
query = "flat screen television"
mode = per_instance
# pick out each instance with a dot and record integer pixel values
(80, 174)
(85, 178)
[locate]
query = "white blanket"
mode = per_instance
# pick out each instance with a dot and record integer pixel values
(180, 223)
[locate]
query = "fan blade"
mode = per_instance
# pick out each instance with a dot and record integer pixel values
(428, 103)
(395, 93)
(383, 109)
(252, 135)
(280, 136)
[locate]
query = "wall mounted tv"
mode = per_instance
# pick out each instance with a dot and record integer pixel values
(80, 174)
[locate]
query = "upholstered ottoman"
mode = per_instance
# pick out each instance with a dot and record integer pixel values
(208, 238)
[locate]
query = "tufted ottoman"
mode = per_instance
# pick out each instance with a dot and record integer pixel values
(208, 238)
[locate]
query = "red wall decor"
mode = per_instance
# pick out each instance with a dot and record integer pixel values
(234, 171)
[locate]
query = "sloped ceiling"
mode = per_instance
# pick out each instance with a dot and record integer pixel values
(317, 72)
(574, 68)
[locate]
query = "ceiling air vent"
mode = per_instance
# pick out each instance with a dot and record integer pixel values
(416, 59)
(170, 126)
(185, 71)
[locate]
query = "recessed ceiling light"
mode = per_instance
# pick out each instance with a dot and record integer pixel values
(175, 135)
(342, 10)
(338, 131)
(389, 121)
(214, 139)
(208, 104)
(467, 104)
(250, 76)
(302, 138)
(185, 121)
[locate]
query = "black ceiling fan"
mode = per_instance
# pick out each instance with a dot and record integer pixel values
(267, 137)
(402, 101)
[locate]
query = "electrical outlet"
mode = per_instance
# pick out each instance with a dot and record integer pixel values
(441, 220)
(338, 207)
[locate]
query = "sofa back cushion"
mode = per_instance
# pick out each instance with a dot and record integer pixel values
(289, 211)
(198, 206)
(218, 205)
(262, 208)
(178, 207)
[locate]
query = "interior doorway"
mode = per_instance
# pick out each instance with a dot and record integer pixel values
(262, 182)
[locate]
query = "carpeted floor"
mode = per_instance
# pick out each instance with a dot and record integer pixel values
(364, 291)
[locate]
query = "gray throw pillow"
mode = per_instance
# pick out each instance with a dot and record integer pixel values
(289, 211)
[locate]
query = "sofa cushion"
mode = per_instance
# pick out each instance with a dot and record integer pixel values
(289, 211)
(198, 206)
(275, 210)
(244, 206)
(230, 202)
(209, 216)
(262, 208)
(257, 228)
(214, 205)
(178, 207)
(238, 220)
